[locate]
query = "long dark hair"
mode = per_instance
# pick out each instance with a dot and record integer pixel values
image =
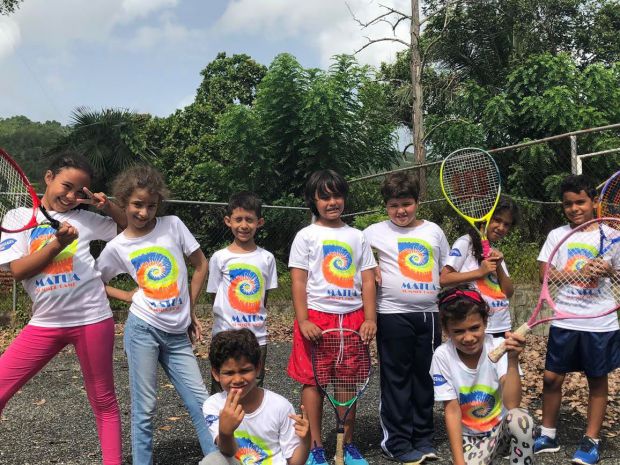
(505, 204)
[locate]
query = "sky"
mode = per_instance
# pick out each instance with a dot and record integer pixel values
(146, 55)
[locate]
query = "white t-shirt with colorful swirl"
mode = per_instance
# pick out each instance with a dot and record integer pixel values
(410, 260)
(334, 259)
(461, 258)
(68, 291)
(156, 262)
(266, 435)
(239, 281)
(477, 390)
(578, 299)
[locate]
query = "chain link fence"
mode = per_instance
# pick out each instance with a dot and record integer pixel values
(531, 173)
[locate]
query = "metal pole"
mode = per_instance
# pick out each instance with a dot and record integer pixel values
(575, 163)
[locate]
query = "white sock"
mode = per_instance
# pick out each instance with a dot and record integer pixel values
(549, 432)
(596, 441)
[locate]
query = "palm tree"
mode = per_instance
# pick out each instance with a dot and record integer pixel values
(111, 139)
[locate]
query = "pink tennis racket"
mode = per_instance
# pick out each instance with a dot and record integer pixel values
(609, 201)
(581, 279)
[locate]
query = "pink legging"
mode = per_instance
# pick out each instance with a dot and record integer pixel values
(35, 346)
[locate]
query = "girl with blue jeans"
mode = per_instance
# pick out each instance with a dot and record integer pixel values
(161, 324)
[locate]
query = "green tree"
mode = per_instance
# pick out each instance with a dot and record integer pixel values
(187, 151)
(229, 80)
(111, 139)
(28, 142)
(304, 120)
(9, 6)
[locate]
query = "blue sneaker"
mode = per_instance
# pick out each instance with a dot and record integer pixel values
(352, 455)
(587, 454)
(544, 444)
(316, 456)
(429, 452)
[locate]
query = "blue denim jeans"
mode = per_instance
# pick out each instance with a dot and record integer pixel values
(145, 347)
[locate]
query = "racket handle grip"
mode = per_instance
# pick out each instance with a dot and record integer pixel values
(500, 350)
(339, 458)
(486, 248)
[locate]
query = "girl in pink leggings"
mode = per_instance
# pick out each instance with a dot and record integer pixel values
(69, 302)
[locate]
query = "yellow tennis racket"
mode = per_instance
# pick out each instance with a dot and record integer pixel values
(471, 184)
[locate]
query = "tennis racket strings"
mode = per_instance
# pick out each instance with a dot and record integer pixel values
(586, 280)
(609, 203)
(14, 193)
(471, 181)
(342, 366)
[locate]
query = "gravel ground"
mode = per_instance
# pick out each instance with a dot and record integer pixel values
(50, 421)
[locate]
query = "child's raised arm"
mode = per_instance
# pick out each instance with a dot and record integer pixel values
(454, 428)
(231, 417)
(511, 381)
(302, 430)
(31, 265)
(505, 283)
(101, 202)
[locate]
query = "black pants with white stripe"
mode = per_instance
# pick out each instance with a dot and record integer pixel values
(406, 342)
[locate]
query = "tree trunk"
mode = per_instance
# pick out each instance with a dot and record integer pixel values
(416, 83)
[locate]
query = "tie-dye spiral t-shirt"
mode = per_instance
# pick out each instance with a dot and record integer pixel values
(68, 291)
(156, 262)
(410, 260)
(334, 259)
(239, 281)
(571, 256)
(462, 260)
(265, 436)
(477, 390)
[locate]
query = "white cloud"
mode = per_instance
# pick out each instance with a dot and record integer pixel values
(326, 24)
(140, 8)
(63, 24)
(168, 32)
(10, 36)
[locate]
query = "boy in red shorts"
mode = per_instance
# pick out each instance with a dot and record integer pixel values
(332, 273)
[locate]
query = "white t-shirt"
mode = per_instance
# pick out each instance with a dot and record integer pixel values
(576, 299)
(69, 291)
(156, 262)
(239, 281)
(410, 260)
(477, 390)
(334, 259)
(266, 435)
(461, 258)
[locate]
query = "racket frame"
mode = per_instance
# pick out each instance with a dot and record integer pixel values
(348, 405)
(601, 209)
(36, 202)
(545, 295)
(474, 222)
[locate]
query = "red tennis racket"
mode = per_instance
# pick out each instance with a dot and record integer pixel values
(581, 278)
(19, 202)
(342, 368)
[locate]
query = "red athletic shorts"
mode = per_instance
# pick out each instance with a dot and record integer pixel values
(300, 363)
